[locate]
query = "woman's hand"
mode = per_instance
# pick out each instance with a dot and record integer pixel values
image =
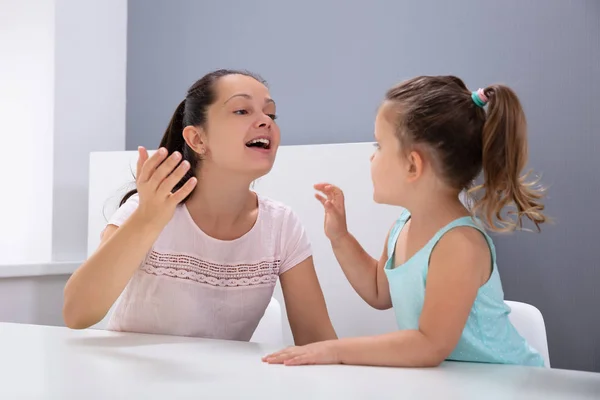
(155, 179)
(335, 211)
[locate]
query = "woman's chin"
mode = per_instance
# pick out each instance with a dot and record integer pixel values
(256, 170)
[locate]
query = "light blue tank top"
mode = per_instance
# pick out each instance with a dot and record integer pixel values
(488, 335)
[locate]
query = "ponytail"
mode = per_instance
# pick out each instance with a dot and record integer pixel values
(173, 141)
(504, 158)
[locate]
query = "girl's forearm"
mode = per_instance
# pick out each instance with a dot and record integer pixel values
(359, 267)
(408, 348)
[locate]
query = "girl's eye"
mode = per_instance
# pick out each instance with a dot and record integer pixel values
(241, 112)
(272, 116)
(376, 145)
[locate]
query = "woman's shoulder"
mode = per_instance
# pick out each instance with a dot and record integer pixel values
(278, 216)
(124, 210)
(283, 223)
(274, 209)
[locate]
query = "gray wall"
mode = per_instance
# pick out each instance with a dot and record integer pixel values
(89, 109)
(329, 63)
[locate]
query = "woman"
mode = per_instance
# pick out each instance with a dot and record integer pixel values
(194, 251)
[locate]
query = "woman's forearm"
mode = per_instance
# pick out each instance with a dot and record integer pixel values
(95, 286)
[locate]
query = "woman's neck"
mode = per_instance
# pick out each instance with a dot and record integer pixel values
(222, 205)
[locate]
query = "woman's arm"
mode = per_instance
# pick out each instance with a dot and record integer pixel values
(96, 285)
(459, 265)
(305, 304)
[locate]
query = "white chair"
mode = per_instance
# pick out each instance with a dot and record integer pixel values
(270, 327)
(529, 322)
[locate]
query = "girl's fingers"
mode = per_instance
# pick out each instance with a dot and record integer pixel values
(320, 186)
(320, 198)
(326, 188)
(331, 191)
(278, 357)
(328, 203)
(303, 359)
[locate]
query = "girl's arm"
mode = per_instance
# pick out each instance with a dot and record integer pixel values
(365, 273)
(459, 265)
(305, 304)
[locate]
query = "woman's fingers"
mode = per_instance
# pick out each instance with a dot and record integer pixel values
(142, 158)
(166, 186)
(184, 191)
(150, 165)
(165, 169)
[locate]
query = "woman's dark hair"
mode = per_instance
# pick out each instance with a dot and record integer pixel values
(192, 111)
(441, 113)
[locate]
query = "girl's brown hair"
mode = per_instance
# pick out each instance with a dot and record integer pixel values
(441, 113)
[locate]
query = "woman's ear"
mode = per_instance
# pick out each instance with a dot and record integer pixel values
(195, 138)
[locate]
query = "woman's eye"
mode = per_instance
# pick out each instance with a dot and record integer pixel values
(241, 112)
(272, 116)
(376, 146)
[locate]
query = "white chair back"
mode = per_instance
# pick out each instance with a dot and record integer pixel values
(290, 182)
(270, 327)
(529, 322)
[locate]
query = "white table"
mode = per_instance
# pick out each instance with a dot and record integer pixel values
(40, 362)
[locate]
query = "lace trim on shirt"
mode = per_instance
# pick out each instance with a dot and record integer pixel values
(183, 266)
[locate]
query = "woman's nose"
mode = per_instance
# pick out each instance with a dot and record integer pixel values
(264, 122)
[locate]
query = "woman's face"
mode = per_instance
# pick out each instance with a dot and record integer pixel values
(241, 134)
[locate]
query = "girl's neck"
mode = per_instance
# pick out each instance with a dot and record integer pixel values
(436, 211)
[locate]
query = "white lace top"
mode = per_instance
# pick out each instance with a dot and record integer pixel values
(191, 284)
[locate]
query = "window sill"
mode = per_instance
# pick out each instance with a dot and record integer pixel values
(41, 269)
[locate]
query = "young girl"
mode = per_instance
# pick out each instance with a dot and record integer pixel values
(194, 251)
(438, 269)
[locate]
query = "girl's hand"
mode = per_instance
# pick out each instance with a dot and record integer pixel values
(155, 179)
(335, 211)
(315, 353)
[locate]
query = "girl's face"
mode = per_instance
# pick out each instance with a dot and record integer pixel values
(389, 168)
